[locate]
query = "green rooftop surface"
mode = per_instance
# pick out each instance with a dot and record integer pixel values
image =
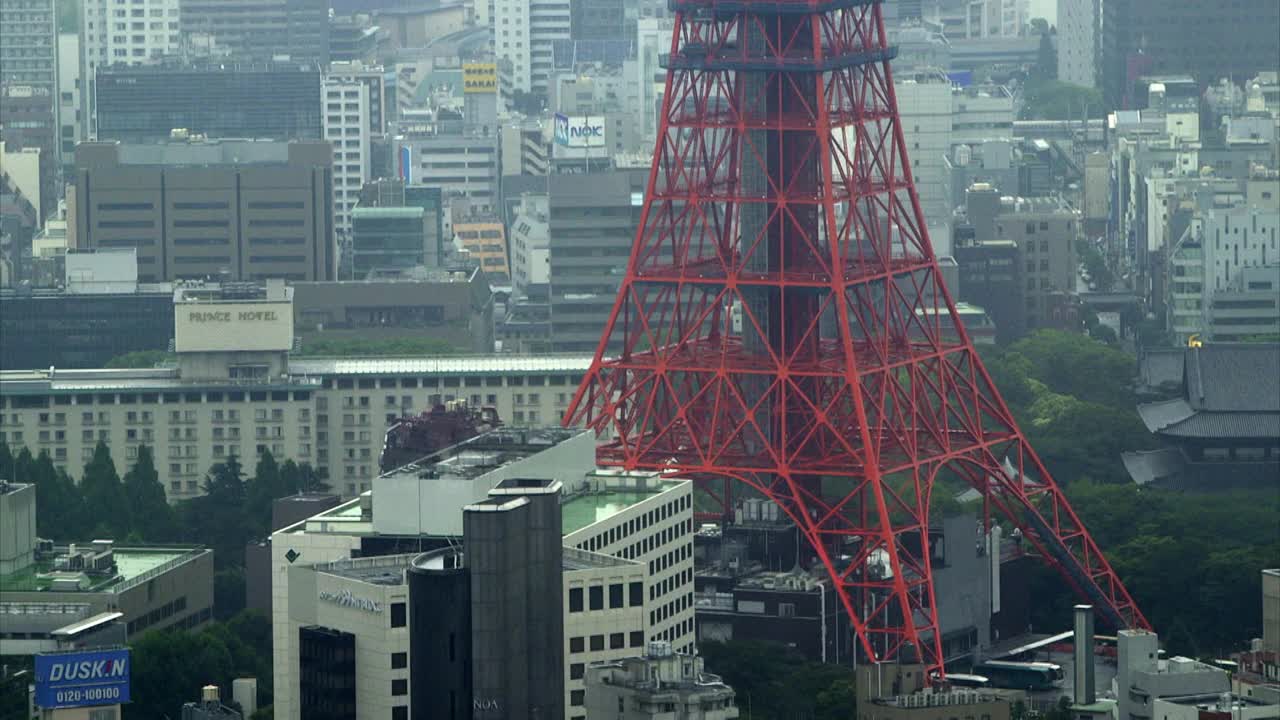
(582, 510)
(129, 564)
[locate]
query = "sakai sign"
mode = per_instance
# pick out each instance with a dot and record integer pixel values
(585, 131)
(479, 78)
(84, 678)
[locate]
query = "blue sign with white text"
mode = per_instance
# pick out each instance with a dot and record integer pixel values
(95, 677)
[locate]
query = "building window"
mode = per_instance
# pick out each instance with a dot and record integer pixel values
(617, 641)
(615, 596)
(575, 645)
(636, 590)
(596, 597)
(397, 615)
(578, 698)
(400, 687)
(399, 660)
(636, 639)
(575, 599)
(400, 712)
(597, 643)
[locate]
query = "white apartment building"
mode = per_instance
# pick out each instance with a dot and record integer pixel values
(530, 241)
(653, 39)
(925, 112)
(112, 33)
(639, 524)
(1221, 274)
(523, 32)
(1079, 41)
(70, 115)
(346, 126)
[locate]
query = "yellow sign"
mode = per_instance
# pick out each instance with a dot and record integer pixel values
(480, 78)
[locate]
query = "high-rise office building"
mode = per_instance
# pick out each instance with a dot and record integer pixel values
(1206, 40)
(236, 209)
(524, 33)
(29, 88)
(145, 103)
(346, 127)
(592, 225)
(1079, 42)
(262, 29)
(114, 35)
(600, 20)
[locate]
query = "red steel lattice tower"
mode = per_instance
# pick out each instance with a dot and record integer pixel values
(782, 322)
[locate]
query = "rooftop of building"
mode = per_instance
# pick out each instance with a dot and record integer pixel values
(231, 66)
(158, 380)
(132, 566)
(1228, 390)
(450, 365)
(407, 212)
(1218, 702)
(583, 509)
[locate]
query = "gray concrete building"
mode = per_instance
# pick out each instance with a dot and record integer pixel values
(456, 307)
(661, 684)
(592, 227)
(235, 209)
(1142, 677)
(154, 587)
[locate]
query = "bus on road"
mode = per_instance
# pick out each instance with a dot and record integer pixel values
(1021, 675)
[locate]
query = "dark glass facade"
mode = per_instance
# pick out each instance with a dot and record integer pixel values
(327, 673)
(145, 103)
(515, 556)
(81, 331)
(440, 644)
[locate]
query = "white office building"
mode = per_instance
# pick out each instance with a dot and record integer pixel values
(523, 33)
(627, 565)
(1079, 41)
(346, 125)
(112, 33)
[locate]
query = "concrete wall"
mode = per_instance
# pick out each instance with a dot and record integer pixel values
(17, 526)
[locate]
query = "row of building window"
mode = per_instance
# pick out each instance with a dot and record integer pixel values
(454, 381)
(596, 643)
(595, 597)
(37, 401)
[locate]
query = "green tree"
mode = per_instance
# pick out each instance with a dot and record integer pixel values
(1046, 67)
(154, 518)
(267, 485)
(218, 518)
(228, 591)
(1046, 99)
(300, 478)
(170, 666)
(140, 359)
(6, 462)
(353, 347)
(1072, 364)
(60, 506)
(106, 507)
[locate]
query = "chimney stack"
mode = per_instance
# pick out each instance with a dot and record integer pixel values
(1083, 661)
